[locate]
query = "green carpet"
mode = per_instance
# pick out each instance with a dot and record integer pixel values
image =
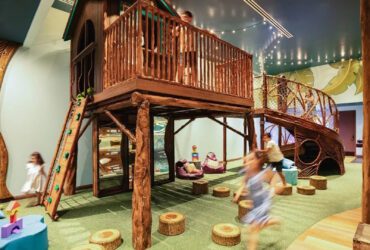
(83, 213)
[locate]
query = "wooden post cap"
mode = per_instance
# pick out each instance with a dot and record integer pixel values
(171, 223)
(226, 234)
(110, 239)
(319, 182)
(89, 247)
(306, 190)
(221, 191)
(200, 182)
(280, 189)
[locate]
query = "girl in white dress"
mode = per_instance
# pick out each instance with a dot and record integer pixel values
(35, 176)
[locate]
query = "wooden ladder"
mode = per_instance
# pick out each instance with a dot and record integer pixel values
(63, 157)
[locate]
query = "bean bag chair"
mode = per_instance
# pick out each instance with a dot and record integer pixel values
(211, 165)
(288, 164)
(182, 173)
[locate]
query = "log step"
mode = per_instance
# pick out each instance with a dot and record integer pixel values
(110, 239)
(200, 187)
(243, 196)
(221, 191)
(306, 190)
(244, 207)
(226, 234)
(171, 223)
(283, 190)
(319, 182)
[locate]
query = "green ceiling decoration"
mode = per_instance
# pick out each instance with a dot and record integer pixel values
(349, 72)
(304, 76)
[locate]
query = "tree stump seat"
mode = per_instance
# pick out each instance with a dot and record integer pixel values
(306, 190)
(283, 190)
(89, 247)
(171, 223)
(200, 187)
(319, 182)
(221, 191)
(110, 239)
(244, 206)
(226, 234)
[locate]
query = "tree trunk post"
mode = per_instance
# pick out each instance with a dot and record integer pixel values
(225, 142)
(141, 206)
(365, 27)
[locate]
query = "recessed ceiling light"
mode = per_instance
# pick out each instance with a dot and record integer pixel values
(222, 32)
(233, 31)
(245, 29)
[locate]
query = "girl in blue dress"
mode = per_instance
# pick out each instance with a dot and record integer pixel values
(259, 217)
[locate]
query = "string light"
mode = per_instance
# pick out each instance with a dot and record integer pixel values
(244, 29)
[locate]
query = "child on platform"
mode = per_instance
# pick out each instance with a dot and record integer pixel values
(274, 155)
(35, 176)
(259, 217)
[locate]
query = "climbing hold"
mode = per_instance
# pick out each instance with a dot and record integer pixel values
(66, 155)
(50, 200)
(56, 188)
(78, 116)
(57, 169)
(69, 131)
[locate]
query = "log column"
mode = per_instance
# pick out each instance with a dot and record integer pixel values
(365, 30)
(141, 207)
(70, 182)
(225, 142)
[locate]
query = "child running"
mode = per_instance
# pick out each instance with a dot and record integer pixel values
(35, 176)
(258, 218)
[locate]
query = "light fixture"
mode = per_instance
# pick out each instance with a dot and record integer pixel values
(268, 17)
(233, 31)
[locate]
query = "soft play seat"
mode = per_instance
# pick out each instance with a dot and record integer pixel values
(291, 175)
(211, 165)
(182, 174)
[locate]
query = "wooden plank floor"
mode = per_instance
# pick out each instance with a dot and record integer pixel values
(333, 232)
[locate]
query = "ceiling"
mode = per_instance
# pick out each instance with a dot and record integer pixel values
(324, 31)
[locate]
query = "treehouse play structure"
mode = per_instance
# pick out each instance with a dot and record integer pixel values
(134, 63)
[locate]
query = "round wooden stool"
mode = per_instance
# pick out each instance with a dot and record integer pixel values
(200, 187)
(226, 234)
(306, 190)
(171, 223)
(110, 239)
(89, 247)
(244, 207)
(221, 191)
(243, 195)
(319, 182)
(283, 190)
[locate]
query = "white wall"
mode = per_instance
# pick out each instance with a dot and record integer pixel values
(208, 136)
(34, 100)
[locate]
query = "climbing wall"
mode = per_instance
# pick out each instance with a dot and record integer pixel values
(63, 157)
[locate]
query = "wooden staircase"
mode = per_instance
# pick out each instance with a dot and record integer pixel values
(63, 157)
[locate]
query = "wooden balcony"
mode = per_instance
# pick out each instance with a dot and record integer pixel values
(147, 49)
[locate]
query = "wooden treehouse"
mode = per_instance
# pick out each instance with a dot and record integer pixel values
(142, 68)
(306, 121)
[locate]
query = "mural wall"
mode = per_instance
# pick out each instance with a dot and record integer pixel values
(342, 80)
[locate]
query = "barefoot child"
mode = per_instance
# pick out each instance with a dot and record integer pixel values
(35, 176)
(274, 155)
(258, 218)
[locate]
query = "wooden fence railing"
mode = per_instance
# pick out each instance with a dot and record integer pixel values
(296, 99)
(149, 43)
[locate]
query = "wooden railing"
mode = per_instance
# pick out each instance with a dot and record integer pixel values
(296, 99)
(149, 43)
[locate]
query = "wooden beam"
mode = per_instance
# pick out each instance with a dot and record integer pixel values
(262, 131)
(176, 102)
(251, 132)
(141, 207)
(365, 30)
(115, 106)
(183, 126)
(84, 52)
(245, 127)
(224, 142)
(169, 146)
(95, 156)
(82, 131)
(227, 126)
(122, 127)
